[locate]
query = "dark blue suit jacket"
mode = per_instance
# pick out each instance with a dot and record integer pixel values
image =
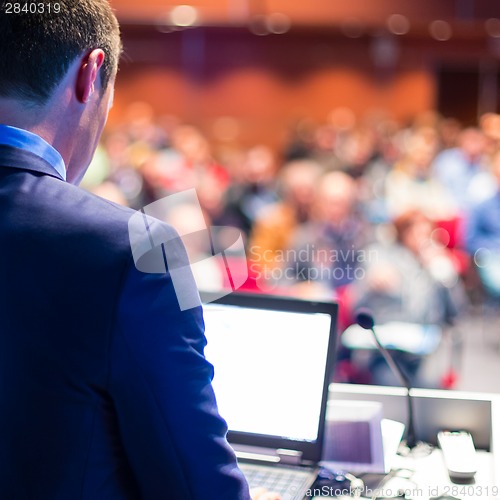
(104, 390)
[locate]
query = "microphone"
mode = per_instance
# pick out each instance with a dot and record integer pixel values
(364, 318)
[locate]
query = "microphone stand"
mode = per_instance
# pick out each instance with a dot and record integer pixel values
(405, 382)
(366, 321)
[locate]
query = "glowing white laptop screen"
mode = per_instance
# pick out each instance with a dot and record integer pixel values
(269, 368)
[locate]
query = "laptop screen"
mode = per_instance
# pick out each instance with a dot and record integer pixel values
(271, 364)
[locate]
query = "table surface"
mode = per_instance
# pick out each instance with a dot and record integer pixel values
(430, 479)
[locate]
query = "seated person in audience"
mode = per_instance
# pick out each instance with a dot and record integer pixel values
(252, 191)
(411, 280)
(273, 229)
(463, 170)
(327, 248)
(410, 185)
(490, 125)
(357, 151)
(483, 235)
(188, 161)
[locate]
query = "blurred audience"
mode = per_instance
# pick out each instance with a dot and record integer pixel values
(483, 235)
(463, 171)
(411, 281)
(327, 248)
(253, 189)
(410, 184)
(111, 192)
(318, 217)
(274, 228)
(412, 278)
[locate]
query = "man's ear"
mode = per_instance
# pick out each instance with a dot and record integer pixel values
(87, 75)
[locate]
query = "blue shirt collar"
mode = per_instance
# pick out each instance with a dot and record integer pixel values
(22, 139)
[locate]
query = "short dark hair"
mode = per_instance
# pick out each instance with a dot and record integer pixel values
(39, 45)
(405, 221)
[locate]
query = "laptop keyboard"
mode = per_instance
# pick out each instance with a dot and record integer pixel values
(291, 483)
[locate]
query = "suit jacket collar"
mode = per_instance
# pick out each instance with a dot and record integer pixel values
(25, 160)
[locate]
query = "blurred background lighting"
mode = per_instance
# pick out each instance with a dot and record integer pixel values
(226, 128)
(342, 118)
(398, 24)
(384, 51)
(492, 26)
(258, 25)
(278, 23)
(184, 15)
(352, 28)
(440, 30)
(164, 24)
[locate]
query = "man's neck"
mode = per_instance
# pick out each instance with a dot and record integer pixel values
(42, 120)
(23, 116)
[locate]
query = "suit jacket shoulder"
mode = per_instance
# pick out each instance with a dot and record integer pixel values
(104, 389)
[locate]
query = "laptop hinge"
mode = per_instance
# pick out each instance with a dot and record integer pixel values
(256, 453)
(261, 457)
(280, 455)
(290, 457)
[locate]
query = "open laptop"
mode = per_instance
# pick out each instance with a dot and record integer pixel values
(273, 358)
